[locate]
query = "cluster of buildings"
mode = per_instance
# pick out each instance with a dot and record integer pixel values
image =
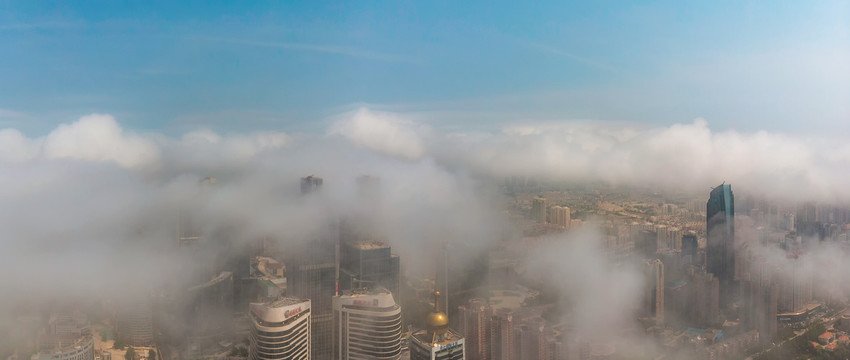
(341, 302)
(337, 295)
(708, 274)
(558, 216)
(505, 333)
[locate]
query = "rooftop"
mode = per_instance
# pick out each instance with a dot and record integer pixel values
(448, 337)
(285, 302)
(365, 291)
(370, 244)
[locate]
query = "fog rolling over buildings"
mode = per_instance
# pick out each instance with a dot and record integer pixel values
(500, 181)
(556, 267)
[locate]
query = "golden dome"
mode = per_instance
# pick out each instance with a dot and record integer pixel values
(437, 321)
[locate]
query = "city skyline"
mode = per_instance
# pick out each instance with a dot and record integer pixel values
(411, 181)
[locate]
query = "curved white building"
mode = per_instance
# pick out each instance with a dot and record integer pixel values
(367, 325)
(81, 348)
(135, 325)
(68, 337)
(280, 330)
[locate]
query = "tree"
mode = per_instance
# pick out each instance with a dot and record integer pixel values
(130, 354)
(151, 354)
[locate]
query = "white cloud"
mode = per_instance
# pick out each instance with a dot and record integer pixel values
(98, 137)
(681, 156)
(383, 132)
(200, 137)
(207, 149)
(15, 147)
(248, 146)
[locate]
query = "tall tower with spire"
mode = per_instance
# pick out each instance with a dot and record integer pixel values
(720, 241)
(437, 341)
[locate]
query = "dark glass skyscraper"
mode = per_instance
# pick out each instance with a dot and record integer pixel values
(311, 274)
(311, 184)
(690, 247)
(720, 237)
(368, 263)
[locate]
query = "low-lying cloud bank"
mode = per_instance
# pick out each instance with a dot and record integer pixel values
(92, 204)
(680, 156)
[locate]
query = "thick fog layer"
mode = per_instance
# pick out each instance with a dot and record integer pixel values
(681, 156)
(92, 205)
(90, 209)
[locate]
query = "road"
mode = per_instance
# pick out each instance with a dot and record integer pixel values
(827, 322)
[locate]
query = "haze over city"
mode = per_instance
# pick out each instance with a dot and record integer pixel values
(405, 180)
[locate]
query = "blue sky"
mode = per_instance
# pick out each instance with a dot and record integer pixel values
(290, 66)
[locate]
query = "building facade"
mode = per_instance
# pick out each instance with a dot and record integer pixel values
(314, 278)
(720, 238)
(538, 210)
(68, 337)
(280, 330)
(437, 341)
(367, 325)
(475, 328)
(653, 300)
(135, 325)
(690, 246)
(368, 263)
(502, 335)
(310, 184)
(81, 348)
(560, 216)
(311, 273)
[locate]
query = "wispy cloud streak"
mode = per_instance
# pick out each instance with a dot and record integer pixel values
(47, 25)
(320, 48)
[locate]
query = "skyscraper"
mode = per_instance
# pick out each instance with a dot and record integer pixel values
(653, 302)
(761, 296)
(280, 330)
(502, 335)
(437, 341)
(461, 270)
(475, 328)
(314, 277)
(720, 237)
(135, 324)
(310, 184)
(311, 274)
(368, 263)
(690, 246)
(68, 337)
(538, 210)
(367, 325)
(205, 307)
(189, 231)
(560, 215)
